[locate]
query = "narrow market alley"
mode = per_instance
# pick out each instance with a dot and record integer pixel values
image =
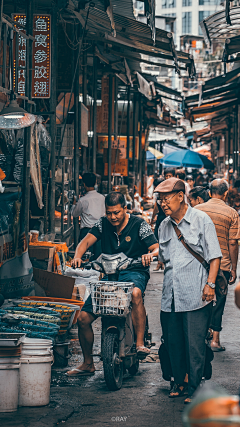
(143, 400)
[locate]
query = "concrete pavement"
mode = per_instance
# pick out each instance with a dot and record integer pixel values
(143, 400)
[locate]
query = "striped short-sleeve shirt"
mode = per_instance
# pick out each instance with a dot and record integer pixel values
(227, 224)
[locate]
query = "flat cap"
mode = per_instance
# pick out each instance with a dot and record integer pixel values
(171, 184)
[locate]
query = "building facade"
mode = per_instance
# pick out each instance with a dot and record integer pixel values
(189, 14)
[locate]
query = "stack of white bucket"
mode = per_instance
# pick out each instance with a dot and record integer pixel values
(25, 380)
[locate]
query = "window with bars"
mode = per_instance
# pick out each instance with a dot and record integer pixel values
(209, 2)
(202, 14)
(168, 4)
(187, 2)
(186, 22)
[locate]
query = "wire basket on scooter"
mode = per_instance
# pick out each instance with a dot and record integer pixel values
(111, 298)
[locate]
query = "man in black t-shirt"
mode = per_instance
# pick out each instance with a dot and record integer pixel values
(118, 232)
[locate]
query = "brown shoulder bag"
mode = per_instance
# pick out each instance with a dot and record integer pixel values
(221, 281)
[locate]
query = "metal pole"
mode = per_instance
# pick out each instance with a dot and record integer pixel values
(238, 136)
(134, 139)
(76, 140)
(128, 125)
(140, 144)
(144, 171)
(84, 94)
(53, 120)
(1, 14)
(62, 198)
(27, 131)
(115, 108)
(229, 144)
(110, 132)
(94, 150)
(4, 54)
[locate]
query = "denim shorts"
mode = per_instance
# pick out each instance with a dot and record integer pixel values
(139, 279)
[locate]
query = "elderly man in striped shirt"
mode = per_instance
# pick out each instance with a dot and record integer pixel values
(188, 288)
(227, 224)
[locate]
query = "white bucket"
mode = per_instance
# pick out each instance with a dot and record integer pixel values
(35, 379)
(36, 347)
(9, 384)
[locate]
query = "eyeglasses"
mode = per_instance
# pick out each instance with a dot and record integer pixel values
(166, 200)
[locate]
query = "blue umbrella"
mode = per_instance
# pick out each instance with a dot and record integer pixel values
(184, 158)
(150, 156)
(206, 162)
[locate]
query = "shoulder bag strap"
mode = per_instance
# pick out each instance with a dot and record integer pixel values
(192, 252)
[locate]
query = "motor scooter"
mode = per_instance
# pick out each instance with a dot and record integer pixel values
(112, 302)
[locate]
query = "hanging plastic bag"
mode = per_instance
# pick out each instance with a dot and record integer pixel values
(19, 155)
(35, 166)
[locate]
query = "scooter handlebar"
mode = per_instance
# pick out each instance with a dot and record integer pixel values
(86, 265)
(138, 262)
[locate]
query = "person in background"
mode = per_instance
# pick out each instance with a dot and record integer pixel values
(197, 196)
(137, 200)
(157, 211)
(237, 295)
(190, 181)
(180, 174)
(150, 180)
(227, 224)
(199, 180)
(188, 288)
(90, 208)
(169, 173)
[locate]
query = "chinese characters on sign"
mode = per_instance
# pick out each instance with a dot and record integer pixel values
(41, 56)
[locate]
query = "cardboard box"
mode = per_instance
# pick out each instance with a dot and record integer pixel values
(41, 257)
(54, 285)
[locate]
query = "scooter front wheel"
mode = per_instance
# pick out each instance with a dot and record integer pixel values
(112, 364)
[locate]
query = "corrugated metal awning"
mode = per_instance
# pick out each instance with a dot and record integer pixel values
(216, 26)
(134, 36)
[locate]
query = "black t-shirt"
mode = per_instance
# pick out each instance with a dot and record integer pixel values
(134, 240)
(160, 217)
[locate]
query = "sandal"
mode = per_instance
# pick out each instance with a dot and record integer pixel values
(142, 352)
(177, 391)
(217, 349)
(188, 400)
(79, 373)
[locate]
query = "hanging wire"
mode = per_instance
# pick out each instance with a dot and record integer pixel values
(74, 76)
(72, 44)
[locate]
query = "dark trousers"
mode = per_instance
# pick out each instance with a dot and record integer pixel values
(184, 334)
(218, 309)
(96, 249)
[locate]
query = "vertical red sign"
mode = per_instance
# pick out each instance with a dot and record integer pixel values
(22, 51)
(41, 60)
(41, 56)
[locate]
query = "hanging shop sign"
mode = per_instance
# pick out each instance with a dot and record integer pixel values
(41, 60)
(121, 167)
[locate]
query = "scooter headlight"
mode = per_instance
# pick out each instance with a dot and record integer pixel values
(110, 267)
(124, 265)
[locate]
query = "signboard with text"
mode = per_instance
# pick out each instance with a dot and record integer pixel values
(41, 61)
(121, 167)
